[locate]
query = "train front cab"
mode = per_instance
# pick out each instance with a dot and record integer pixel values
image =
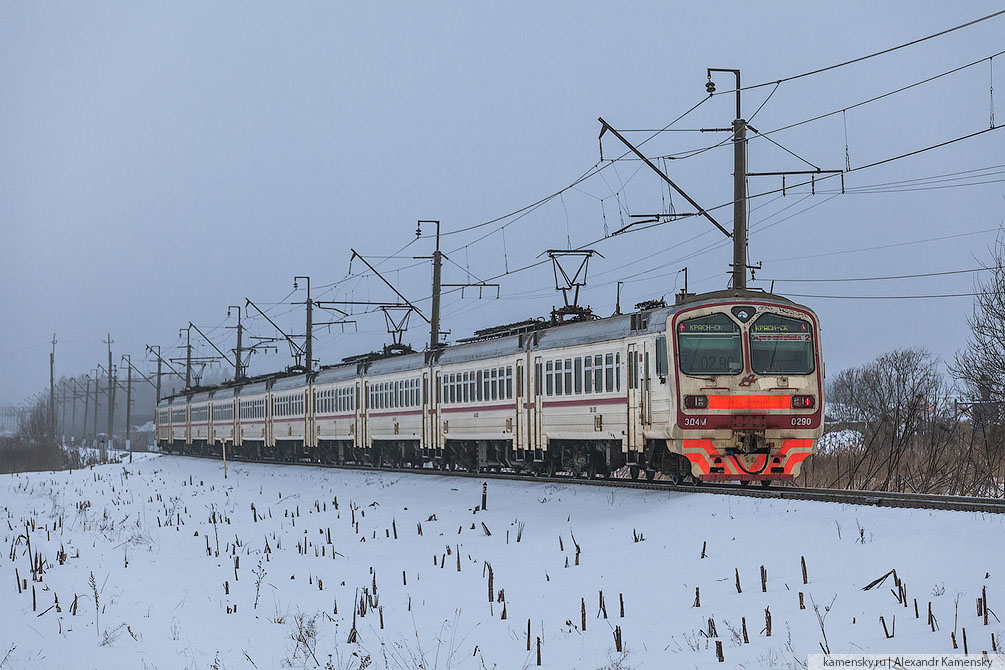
(749, 388)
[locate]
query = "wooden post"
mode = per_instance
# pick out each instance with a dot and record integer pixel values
(984, 602)
(802, 562)
(528, 634)
(582, 607)
(764, 580)
(767, 622)
(539, 651)
(718, 651)
(743, 621)
(738, 589)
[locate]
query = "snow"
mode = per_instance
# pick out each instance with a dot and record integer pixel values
(164, 602)
(839, 440)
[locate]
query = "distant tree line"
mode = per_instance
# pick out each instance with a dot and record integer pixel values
(917, 429)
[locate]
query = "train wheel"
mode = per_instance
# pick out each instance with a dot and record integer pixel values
(633, 472)
(765, 483)
(744, 482)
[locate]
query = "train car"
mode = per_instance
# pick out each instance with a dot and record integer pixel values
(223, 426)
(179, 423)
(723, 386)
(749, 386)
(163, 425)
(289, 426)
(198, 416)
(253, 415)
(335, 412)
(392, 417)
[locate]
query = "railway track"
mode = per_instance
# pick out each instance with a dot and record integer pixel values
(845, 496)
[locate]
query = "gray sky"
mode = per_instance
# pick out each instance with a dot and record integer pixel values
(163, 160)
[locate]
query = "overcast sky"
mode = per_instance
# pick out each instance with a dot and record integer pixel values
(161, 161)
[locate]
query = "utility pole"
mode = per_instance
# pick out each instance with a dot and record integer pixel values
(158, 373)
(309, 333)
(188, 356)
(52, 391)
(156, 351)
(73, 416)
(434, 321)
(62, 409)
(95, 426)
(238, 367)
(129, 403)
(111, 391)
(87, 406)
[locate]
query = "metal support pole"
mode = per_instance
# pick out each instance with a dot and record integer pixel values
(87, 406)
(95, 426)
(111, 395)
(739, 203)
(434, 321)
(52, 391)
(129, 404)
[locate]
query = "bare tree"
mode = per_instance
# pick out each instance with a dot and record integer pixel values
(980, 370)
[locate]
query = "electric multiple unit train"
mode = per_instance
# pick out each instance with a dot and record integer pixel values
(721, 386)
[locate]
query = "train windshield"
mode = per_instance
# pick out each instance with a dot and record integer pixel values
(780, 345)
(709, 345)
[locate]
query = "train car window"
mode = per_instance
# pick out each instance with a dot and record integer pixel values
(495, 383)
(473, 386)
(485, 384)
(645, 374)
(709, 345)
(578, 366)
(537, 379)
(609, 369)
(588, 374)
(558, 377)
(633, 370)
(464, 388)
(548, 376)
(509, 382)
(568, 376)
(519, 382)
(781, 345)
(478, 385)
(598, 374)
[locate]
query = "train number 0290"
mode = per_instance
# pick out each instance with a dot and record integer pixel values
(802, 420)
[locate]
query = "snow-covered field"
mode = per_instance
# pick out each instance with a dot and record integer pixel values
(361, 570)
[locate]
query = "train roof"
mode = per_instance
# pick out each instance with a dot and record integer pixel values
(544, 335)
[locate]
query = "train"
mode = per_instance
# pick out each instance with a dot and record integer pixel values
(725, 386)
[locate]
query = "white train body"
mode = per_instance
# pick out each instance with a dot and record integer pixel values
(722, 386)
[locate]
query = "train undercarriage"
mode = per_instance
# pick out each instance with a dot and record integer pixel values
(581, 459)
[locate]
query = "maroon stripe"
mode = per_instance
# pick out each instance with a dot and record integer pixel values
(586, 402)
(478, 408)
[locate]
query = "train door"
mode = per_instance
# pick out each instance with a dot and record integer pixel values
(535, 438)
(647, 385)
(362, 401)
(269, 430)
(439, 440)
(308, 418)
(519, 428)
(635, 399)
(427, 416)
